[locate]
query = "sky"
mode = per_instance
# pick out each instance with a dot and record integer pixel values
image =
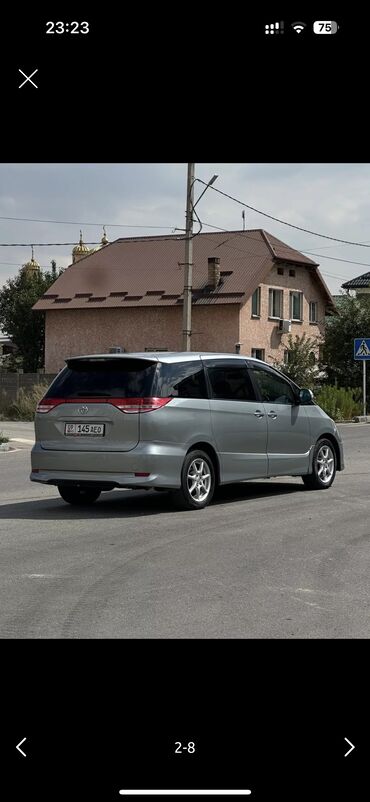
(331, 199)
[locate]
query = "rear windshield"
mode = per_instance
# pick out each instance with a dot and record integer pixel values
(115, 378)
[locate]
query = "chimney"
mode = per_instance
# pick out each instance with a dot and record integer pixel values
(213, 272)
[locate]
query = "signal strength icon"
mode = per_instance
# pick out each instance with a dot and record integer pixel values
(298, 27)
(274, 28)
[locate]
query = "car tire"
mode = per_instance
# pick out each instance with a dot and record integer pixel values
(78, 495)
(198, 482)
(324, 466)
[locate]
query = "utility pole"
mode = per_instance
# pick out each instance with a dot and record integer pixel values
(188, 265)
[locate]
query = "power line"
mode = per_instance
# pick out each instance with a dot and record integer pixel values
(284, 222)
(337, 259)
(39, 244)
(74, 223)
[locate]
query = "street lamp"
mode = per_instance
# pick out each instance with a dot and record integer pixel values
(210, 182)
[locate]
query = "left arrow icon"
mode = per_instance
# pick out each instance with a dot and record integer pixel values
(19, 747)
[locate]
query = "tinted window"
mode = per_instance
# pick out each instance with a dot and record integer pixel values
(181, 380)
(117, 378)
(231, 383)
(273, 388)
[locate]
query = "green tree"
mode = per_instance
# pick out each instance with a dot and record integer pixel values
(300, 363)
(25, 327)
(352, 321)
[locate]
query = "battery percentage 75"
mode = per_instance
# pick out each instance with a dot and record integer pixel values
(324, 26)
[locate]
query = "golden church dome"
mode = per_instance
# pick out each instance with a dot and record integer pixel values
(80, 250)
(32, 266)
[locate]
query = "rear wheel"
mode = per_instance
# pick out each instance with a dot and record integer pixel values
(197, 482)
(79, 495)
(324, 465)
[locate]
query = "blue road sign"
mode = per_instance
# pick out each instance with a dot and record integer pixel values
(362, 348)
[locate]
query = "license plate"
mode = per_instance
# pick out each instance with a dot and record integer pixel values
(84, 429)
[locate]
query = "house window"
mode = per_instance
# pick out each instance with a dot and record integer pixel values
(280, 271)
(296, 299)
(292, 273)
(258, 353)
(275, 303)
(313, 311)
(256, 302)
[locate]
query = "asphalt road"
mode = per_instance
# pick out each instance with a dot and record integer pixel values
(266, 560)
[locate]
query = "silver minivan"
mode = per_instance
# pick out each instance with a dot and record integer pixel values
(184, 422)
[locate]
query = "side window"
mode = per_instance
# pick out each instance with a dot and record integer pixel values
(181, 380)
(274, 389)
(231, 383)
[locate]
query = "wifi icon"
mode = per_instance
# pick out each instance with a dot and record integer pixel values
(298, 27)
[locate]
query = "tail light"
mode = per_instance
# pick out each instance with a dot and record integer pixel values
(46, 404)
(128, 405)
(138, 404)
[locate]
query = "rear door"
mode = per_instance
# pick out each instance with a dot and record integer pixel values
(238, 421)
(93, 405)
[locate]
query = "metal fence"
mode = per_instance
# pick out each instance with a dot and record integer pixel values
(11, 383)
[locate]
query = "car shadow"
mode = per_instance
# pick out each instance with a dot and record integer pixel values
(137, 504)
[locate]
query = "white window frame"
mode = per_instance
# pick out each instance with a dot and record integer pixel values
(258, 313)
(316, 318)
(291, 305)
(272, 290)
(254, 355)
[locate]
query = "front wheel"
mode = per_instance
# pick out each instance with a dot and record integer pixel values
(324, 466)
(197, 482)
(79, 495)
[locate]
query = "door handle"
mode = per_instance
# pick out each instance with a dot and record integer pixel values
(272, 415)
(259, 414)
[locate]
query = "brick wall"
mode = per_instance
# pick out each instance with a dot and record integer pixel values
(71, 332)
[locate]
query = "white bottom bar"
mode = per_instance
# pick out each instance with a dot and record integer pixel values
(186, 792)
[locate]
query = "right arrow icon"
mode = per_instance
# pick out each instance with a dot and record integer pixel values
(351, 749)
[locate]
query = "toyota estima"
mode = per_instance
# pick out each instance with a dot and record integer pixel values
(184, 422)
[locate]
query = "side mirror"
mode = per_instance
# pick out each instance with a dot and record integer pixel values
(306, 396)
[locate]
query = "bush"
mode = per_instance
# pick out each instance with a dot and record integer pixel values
(339, 403)
(3, 439)
(25, 406)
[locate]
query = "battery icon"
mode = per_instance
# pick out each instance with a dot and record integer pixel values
(325, 26)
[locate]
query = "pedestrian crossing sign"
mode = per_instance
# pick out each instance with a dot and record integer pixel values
(362, 348)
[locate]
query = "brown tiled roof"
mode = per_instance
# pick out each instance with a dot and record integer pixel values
(149, 271)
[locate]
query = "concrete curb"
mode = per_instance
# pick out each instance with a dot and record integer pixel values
(22, 440)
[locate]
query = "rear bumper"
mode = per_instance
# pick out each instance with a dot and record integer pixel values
(162, 462)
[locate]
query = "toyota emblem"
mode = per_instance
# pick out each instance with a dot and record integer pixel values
(83, 410)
